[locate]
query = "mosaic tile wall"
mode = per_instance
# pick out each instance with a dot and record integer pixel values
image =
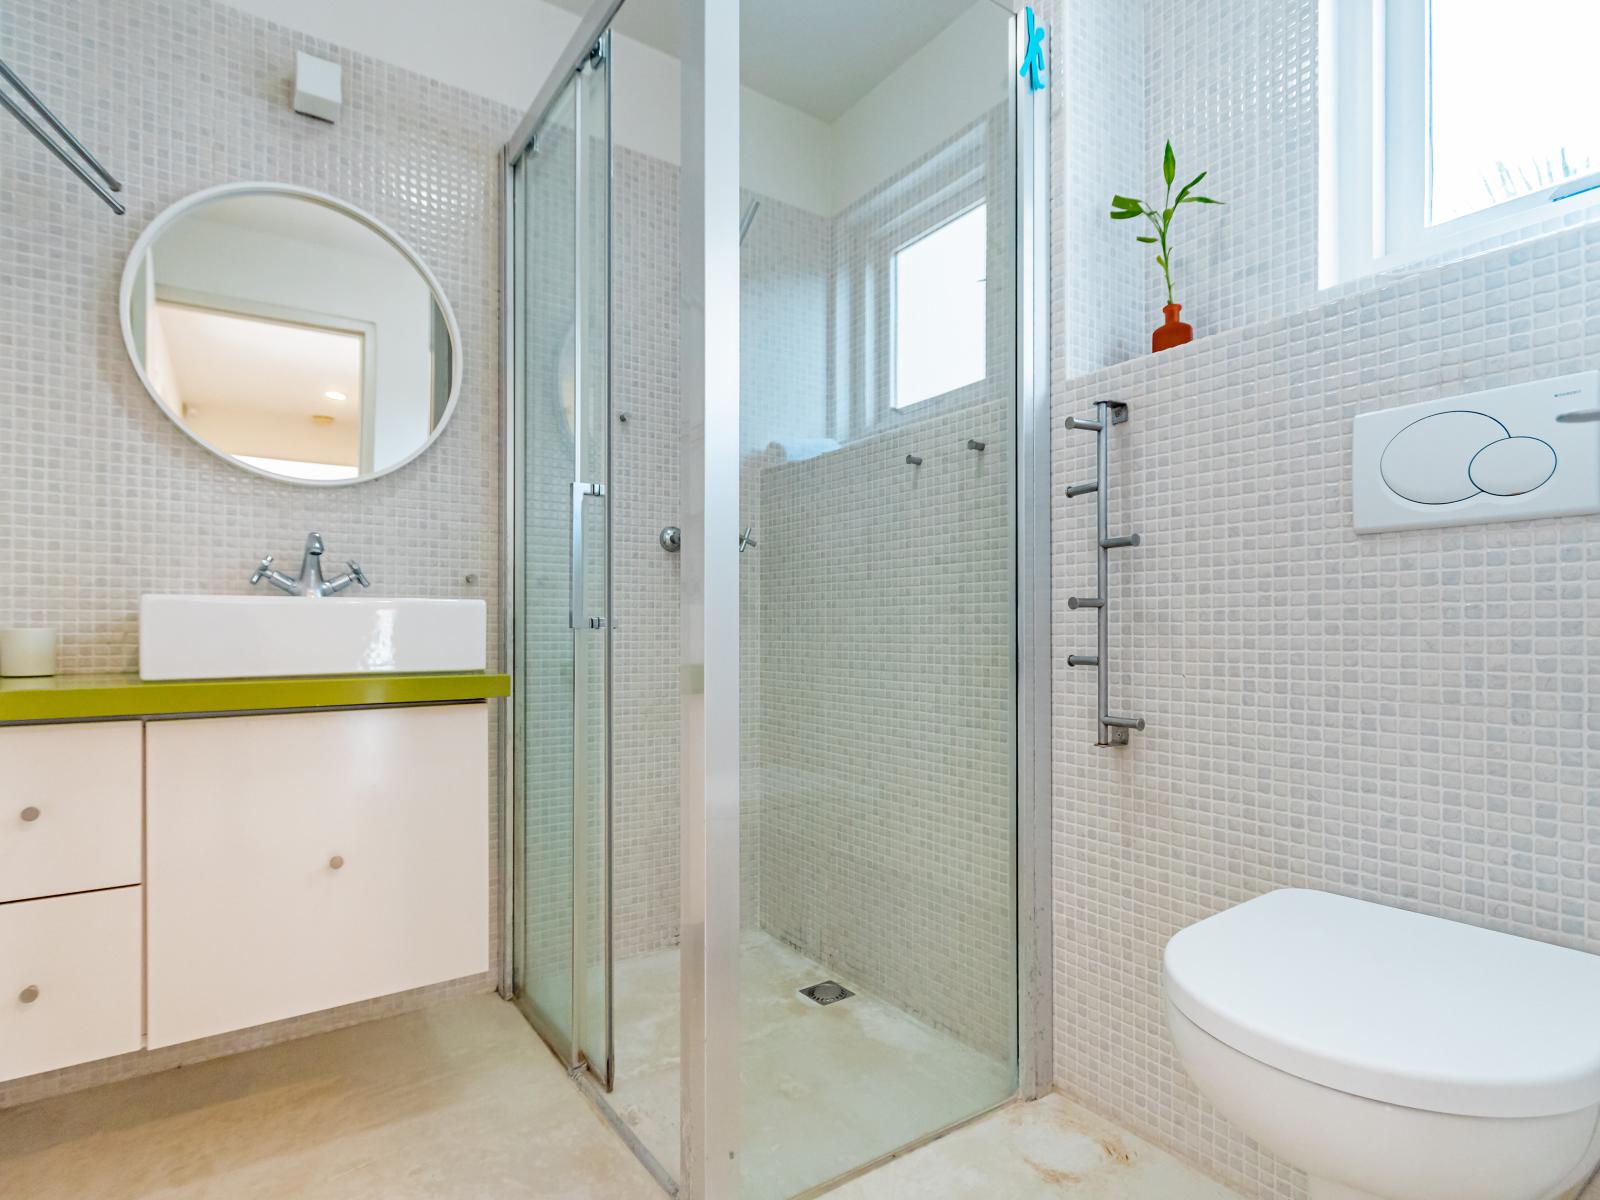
(104, 498)
(645, 441)
(1097, 149)
(784, 311)
(1233, 84)
(886, 849)
(1403, 717)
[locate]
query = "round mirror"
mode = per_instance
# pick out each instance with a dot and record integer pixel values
(291, 334)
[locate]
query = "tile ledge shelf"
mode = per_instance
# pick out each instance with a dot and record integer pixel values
(96, 697)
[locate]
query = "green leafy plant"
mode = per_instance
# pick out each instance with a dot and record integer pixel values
(1125, 208)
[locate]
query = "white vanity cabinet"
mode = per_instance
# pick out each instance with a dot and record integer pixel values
(303, 861)
(71, 801)
(168, 878)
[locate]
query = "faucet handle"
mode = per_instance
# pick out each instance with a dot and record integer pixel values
(262, 571)
(357, 574)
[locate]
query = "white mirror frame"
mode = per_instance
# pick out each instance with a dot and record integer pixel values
(183, 207)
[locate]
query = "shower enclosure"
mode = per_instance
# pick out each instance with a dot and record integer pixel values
(777, 418)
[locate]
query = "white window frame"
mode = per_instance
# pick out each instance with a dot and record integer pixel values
(894, 405)
(1374, 146)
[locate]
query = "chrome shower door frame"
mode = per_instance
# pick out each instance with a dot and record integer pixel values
(1032, 657)
(590, 43)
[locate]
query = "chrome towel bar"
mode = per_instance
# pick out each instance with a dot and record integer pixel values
(74, 155)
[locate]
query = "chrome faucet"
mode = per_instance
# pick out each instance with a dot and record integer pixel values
(311, 582)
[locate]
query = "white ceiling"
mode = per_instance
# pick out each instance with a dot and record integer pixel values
(820, 56)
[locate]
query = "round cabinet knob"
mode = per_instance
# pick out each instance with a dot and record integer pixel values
(28, 994)
(30, 813)
(336, 862)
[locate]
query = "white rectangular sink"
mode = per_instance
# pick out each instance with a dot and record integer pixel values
(240, 637)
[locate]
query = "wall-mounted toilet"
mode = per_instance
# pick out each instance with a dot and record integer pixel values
(1389, 1055)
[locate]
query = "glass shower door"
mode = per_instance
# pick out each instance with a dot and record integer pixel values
(562, 634)
(878, 435)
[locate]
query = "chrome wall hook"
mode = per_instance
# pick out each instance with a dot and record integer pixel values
(975, 444)
(914, 460)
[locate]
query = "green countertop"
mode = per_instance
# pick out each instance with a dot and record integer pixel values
(83, 697)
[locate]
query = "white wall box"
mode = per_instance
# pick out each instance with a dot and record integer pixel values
(300, 862)
(69, 980)
(1511, 454)
(318, 87)
(70, 808)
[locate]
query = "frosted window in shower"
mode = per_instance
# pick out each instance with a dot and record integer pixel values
(940, 295)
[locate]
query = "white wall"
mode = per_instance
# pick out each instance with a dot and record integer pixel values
(505, 49)
(502, 49)
(942, 88)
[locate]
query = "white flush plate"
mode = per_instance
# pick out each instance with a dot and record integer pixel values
(1500, 455)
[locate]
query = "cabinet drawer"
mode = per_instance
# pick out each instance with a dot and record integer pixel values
(71, 798)
(69, 980)
(301, 862)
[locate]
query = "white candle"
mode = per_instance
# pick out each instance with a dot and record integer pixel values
(27, 653)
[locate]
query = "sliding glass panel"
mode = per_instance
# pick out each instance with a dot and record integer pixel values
(544, 268)
(561, 280)
(878, 348)
(647, 565)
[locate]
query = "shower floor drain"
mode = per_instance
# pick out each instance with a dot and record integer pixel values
(827, 992)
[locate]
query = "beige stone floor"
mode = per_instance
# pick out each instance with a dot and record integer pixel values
(1048, 1150)
(463, 1102)
(825, 1089)
(458, 1102)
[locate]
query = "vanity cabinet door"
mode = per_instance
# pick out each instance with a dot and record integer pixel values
(69, 980)
(70, 800)
(304, 861)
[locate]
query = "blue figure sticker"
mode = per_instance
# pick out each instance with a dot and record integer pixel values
(1033, 61)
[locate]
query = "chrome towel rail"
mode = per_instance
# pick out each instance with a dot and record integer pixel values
(1114, 730)
(72, 152)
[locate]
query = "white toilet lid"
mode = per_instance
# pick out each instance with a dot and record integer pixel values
(1395, 1006)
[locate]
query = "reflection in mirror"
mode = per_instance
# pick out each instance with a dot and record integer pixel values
(290, 334)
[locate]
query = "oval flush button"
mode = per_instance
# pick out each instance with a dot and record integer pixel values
(1513, 466)
(1428, 461)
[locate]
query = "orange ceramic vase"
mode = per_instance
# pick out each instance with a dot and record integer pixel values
(1173, 333)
